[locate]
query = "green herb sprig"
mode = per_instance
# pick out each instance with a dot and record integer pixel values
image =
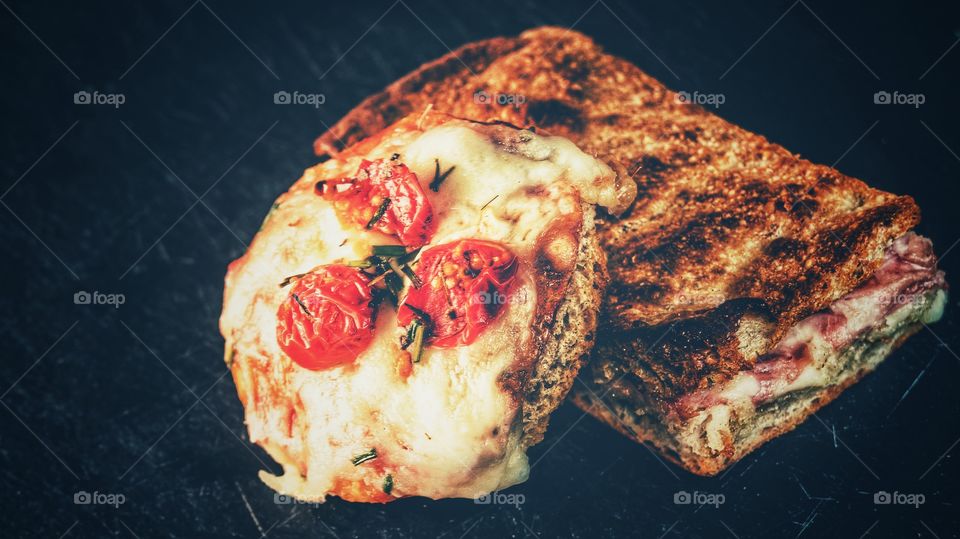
(437, 177)
(416, 333)
(388, 484)
(364, 457)
(379, 213)
(299, 301)
(390, 264)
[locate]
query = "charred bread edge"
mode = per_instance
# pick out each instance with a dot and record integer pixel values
(780, 415)
(571, 336)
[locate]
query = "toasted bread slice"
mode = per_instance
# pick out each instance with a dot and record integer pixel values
(708, 429)
(732, 240)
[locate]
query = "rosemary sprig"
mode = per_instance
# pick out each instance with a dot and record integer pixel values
(437, 177)
(417, 332)
(409, 257)
(388, 484)
(407, 340)
(405, 270)
(394, 285)
(299, 301)
(290, 279)
(390, 264)
(364, 457)
(415, 279)
(488, 202)
(390, 259)
(364, 263)
(381, 276)
(379, 213)
(418, 336)
(389, 250)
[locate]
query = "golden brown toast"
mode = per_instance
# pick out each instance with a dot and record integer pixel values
(732, 239)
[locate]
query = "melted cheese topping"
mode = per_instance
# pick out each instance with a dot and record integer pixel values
(449, 429)
(487, 193)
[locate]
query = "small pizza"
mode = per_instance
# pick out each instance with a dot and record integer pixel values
(412, 310)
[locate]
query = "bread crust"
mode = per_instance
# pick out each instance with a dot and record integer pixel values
(726, 225)
(571, 336)
(731, 241)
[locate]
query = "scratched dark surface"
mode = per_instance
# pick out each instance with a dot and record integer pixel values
(103, 399)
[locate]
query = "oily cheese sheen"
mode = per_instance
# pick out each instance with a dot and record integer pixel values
(451, 427)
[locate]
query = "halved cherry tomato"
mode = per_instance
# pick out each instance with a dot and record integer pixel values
(466, 284)
(328, 318)
(385, 196)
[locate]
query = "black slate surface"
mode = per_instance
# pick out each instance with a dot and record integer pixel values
(153, 198)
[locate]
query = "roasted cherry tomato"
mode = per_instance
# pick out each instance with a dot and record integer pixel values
(386, 197)
(466, 285)
(328, 319)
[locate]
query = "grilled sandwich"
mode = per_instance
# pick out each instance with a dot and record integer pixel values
(749, 287)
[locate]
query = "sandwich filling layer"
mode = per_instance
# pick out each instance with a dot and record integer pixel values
(805, 357)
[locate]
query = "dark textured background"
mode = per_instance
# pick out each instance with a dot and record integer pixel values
(105, 399)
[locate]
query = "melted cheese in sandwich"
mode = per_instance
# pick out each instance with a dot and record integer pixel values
(449, 429)
(807, 356)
